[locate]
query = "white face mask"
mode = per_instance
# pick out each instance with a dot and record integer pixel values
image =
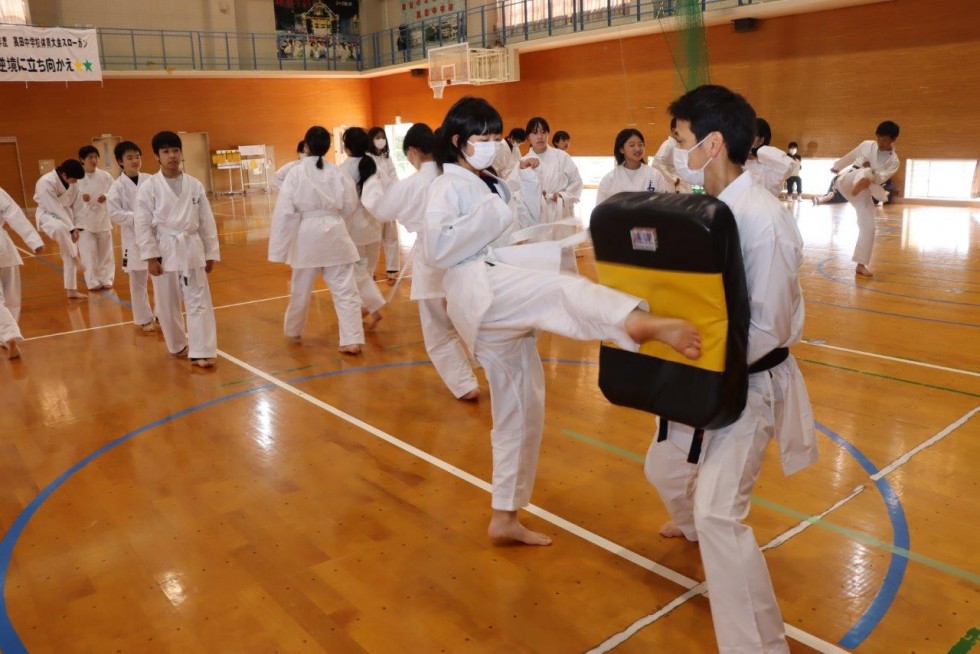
(380, 144)
(483, 154)
(693, 177)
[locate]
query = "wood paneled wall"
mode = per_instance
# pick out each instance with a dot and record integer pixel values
(51, 121)
(823, 79)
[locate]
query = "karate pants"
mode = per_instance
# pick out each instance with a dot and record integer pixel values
(139, 297)
(346, 301)
(371, 298)
(389, 236)
(864, 206)
(10, 304)
(58, 232)
(445, 348)
(525, 301)
(95, 248)
(201, 337)
(709, 501)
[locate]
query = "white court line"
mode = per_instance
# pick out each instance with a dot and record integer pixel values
(27, 252)
(618, 639)
(588, 536)
(902, 460)
(889, 358)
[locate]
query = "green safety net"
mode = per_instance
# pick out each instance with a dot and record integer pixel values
(682, 22)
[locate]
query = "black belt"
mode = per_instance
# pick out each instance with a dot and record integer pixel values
(767, 362)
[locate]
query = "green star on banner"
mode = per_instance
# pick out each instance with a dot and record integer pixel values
(88, 65)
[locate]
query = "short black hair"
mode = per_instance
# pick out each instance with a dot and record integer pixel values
(793, 144)
(420, 137)
(762, 129)
(301, 147)
(470, 116)
(71, 168)
(711, 108)
(166, 140)
(673, 123)
(317, 139)
(621, 139)
(560, 135)
(517, 134)
(535, 123)
(374, 133)
(887, 128)
(86, 150)
(122, 148)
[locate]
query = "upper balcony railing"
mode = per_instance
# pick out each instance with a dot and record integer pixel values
(177, 50)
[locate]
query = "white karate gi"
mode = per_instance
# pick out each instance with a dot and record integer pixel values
(507, 158)
(309, 233)
(95, 238)
(122, 205)
(621, 178)
(180, 229)
(770, 168)
(280, 176)
(557, 174)
(664, 162)
(709, 501)
(54, 218)
(881, 166)
(389, 230)
(497, 308)
(365, 231)
(10, 263)
(405, 201)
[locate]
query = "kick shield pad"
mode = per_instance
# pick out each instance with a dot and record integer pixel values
(681, 254)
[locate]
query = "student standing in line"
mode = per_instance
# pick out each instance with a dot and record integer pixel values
(10, 263)
(497, 306)
(55, 194)
(121, 203)
(309, 232)
(93, 223)
(178, 239)
(560, 181)
(388, 175)
(631, 172)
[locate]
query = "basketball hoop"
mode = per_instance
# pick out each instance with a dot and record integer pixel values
(437, 86)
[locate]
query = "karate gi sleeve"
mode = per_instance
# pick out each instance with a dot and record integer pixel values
(451, 238)
(572, 192)
(118, 213)
(525, 189)
(775, 159)
(847, 159)
(207, 229)
(371, 194)
(47, 200)
(665, 154)
(394, 204)
(883, 174)
(280, 177)
(146, 240)
(14, 216)
(605, 188)
(772, 277)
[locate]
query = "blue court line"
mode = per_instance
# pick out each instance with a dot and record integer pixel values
(895, 315)
(885, 596)
(10, 642)
(851, 283)
(61, 271)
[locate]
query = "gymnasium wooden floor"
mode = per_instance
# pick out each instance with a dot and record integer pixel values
(295, 500)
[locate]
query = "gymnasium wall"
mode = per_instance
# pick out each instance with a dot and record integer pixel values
(51, 121)
(823, 79)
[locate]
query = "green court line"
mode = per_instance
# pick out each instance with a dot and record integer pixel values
(274, 374)
(398, 345)
(860, 537)
(966, 643)
(889, 377)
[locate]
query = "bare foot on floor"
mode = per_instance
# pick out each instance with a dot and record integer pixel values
(180, 355)
(350, 349)
(506, 529)
(204, 363)
(670, 530)
(863, 270)
(13, 351)
(372, 320)
(75, 295)
(679, 334)
(472, 396)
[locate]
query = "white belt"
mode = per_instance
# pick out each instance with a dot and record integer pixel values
(182, 251)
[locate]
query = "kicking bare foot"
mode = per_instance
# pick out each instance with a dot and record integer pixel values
(472, 396)
(75, 295)
(350, 349)
(863, 270)
(204, 363)
(679, 334)
(13, 352)
(505, 529)
(670, 530)
(372, 320)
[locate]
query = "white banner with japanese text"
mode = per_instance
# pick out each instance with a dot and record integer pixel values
(48, 54)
